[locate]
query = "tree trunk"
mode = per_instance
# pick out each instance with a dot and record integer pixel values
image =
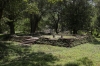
(31, 24)
(1, 11)
(0, 28)
(56, 27)
(62, 28)
(2, 6)
(75, 31)
(11, 26)
(35, 25)
(37, 18)
(97, 34)
(56, 23)
(34, 20)
(0, 19)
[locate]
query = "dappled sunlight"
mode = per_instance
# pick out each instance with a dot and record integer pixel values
(17, 55)
(47, 55)
(81, 62)
(71, 54)
(33, 59)
(49, 33)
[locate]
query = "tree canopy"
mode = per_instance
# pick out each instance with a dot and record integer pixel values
(60, 15)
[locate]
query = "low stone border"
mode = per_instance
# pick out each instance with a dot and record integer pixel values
(65, 42)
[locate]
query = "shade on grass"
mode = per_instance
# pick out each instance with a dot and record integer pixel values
(47, 55)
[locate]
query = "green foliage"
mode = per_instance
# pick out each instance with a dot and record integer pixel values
(78, 15)
(3, 26)
(97, 24)
(70, 15)
(32, 8)
(13, 10)
(54, 1)
(23, 25)
(85, 61)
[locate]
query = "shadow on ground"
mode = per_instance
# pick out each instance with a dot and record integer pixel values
(85, 61)
(5, 37)
(14, 55)
(34, 59)
(3, 49)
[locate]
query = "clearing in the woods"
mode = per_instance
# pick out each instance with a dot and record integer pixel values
(14, 54)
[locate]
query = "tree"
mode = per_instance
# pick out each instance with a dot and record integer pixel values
(55, 15)
(97, 24)
(12, 11)
(36, 10)
(78, 15)
(2, 6)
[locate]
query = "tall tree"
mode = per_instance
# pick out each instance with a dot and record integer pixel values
(36, 10)
(78, 15)
(2, 6)
(12, 11)
(97, 24)
(54, 13)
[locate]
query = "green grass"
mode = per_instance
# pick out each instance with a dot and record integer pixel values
(57, 36)
(47, 55)
(71, 54)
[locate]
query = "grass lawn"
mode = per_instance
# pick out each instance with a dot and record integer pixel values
(66, 55)
(57, 36)
(46, 55)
